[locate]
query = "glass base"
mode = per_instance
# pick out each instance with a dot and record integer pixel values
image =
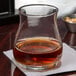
(40, 68)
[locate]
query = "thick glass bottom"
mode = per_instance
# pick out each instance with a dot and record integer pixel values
(40, 68)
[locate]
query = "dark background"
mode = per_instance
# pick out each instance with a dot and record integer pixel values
(7, 6)
(7, 12)
(4, 6)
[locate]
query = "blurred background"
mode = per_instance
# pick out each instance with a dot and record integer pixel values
(65, 6)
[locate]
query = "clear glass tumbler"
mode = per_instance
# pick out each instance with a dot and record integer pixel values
(38, 45)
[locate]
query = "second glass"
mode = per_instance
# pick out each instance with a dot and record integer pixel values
(38, 45)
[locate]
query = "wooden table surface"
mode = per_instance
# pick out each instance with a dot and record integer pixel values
(7, 34)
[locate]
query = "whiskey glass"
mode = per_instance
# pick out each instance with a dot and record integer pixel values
(38, 44)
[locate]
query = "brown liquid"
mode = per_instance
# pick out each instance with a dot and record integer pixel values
(37, 51)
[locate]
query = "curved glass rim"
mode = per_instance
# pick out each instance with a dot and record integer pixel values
(39, 5)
